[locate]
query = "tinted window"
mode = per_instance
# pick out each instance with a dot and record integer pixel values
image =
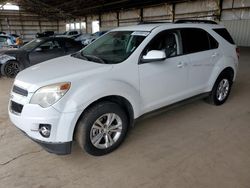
(213, 43)
(194, 40)
(32, 44)
(73, 33)
(50, 45)
(225, 34)
(164, 41)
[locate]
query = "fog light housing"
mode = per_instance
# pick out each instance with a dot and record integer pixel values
(44, 130)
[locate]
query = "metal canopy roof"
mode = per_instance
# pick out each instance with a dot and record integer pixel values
(65, 9)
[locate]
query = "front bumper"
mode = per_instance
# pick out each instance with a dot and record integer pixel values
(56, 148)
(32, 116)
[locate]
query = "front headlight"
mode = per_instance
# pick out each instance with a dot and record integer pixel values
(49, 95)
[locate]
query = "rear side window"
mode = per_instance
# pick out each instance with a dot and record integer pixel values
(73, 33)
(225, 34)
(67, 44)
(194, 40)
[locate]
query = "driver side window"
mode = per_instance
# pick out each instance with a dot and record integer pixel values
(49, 45)
(166, 41)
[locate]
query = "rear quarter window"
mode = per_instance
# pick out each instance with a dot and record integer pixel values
(213, 43)
(224, 34)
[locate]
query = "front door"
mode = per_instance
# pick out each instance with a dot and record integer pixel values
(163, 82)
(48, 50)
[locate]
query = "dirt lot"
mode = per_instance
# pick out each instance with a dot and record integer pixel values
(193, 146)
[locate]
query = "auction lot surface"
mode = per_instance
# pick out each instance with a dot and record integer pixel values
(193, 146)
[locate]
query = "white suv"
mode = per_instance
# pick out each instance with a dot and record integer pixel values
(95, 95)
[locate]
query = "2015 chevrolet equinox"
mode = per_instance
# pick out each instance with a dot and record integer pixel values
(94, 95)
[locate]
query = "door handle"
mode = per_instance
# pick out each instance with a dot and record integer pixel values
(215, 54)
(181, 64)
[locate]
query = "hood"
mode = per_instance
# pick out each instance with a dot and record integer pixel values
(12, 51)
(11, 54)
(62, 69)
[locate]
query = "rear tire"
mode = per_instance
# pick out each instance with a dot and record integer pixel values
(221, 89)
(11, 69)
(102, 128)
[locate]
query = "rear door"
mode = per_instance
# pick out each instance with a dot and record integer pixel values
(202, 51)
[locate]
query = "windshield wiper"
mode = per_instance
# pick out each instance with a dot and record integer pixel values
(94, 58)
(79, 55)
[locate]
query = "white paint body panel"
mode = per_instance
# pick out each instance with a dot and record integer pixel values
(146, 86)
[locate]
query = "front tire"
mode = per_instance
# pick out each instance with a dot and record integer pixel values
(11, 69)
(221, 89)
(102, 128)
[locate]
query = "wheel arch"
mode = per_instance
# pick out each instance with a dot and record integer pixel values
(213, 98)
(122, 101)
(229, 70)
(3, 65)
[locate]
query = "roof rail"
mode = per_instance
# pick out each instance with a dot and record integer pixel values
(152, 22)
(196, 21)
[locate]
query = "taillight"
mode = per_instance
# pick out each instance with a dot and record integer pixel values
(238, 52)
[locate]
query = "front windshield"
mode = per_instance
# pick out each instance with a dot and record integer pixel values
(114, 47)
(31, 45)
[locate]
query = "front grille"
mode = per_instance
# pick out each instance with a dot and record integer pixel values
(20, 91)
(15, 107)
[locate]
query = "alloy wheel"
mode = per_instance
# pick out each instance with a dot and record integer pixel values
(11, 69)
(106, 131)
(223, 89)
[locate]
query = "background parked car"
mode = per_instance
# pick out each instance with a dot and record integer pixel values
(83, 37)
(10, 40)
(38, 50)
(93, 37)
(70, 34)
(45, 34)
(3, 41)
(6, 41)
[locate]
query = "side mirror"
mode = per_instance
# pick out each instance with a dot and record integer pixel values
(38, 49)
(154, 55)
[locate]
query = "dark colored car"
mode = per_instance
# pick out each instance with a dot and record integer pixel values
(45, 34)
(38, 50)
